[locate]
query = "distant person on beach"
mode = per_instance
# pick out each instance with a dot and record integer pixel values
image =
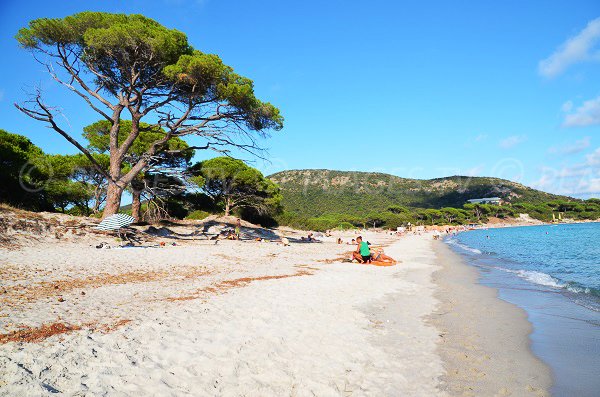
(238, 229)
(363, 252)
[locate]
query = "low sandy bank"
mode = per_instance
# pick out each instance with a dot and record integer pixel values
(485, 344)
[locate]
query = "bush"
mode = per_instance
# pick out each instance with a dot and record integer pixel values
(346, 226)
(197, 215)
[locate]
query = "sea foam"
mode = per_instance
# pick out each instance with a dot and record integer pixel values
(454, 242)
(537, 278)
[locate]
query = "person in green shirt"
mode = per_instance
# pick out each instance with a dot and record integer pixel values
(362, 253)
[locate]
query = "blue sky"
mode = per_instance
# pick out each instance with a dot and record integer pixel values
(417, 89)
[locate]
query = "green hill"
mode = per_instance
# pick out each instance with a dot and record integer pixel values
(313, 193)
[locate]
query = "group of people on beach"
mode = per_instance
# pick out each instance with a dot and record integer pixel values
(365, 253)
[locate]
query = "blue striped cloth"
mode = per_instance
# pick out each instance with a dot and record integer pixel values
(115, 222)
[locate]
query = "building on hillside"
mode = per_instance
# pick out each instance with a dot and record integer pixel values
(486, 200)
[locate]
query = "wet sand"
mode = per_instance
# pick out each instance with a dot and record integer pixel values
(485, 341)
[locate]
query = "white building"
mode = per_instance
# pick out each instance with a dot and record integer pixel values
(486, 200)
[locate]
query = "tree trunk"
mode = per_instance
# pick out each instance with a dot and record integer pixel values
(227, 206)
(113, 200)
(136, 204)
(96, 207)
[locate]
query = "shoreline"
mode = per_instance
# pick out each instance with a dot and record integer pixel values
(482, 357)
(565, 322)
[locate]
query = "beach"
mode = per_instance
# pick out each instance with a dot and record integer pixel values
(485, 344)
(257, 319)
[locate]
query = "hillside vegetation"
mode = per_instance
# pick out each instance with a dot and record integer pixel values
(325, 198)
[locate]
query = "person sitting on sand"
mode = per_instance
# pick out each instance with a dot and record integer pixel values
(362, 253)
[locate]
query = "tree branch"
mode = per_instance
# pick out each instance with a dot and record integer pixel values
(44, 114)
(81, 94)
(75, 74)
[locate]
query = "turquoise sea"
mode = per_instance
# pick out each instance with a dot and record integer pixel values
(553, 273)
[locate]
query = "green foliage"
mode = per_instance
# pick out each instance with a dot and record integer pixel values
(126, 51)
(49, 182)
(577, 210)
(197, 215)
(318, 199)
(314, 192)
(321, 223)
(131, 63)
(20, 181)
(234, 185)
(121, 48)
(98, 137)
(200, 75)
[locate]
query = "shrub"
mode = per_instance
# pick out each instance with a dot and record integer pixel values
(197, 215)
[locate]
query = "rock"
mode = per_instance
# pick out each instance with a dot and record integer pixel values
(61, 299)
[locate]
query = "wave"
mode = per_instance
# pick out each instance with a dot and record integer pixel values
(547, 280)
(532, 276)
(536, 277)
(455, 242)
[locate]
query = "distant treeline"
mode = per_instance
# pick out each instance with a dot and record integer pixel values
(396, 216)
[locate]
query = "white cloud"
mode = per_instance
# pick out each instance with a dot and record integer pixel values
(586, 187)
(579, 179)
(481, 137)
(512, 141)
(578, 170)
(567, 106)
(593, 186)
(593, 159)
(587, 114)
(576, 49)
(574, 148)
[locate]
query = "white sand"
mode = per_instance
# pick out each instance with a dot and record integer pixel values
(345, 329)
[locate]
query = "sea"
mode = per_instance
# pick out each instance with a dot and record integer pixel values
(553, 273)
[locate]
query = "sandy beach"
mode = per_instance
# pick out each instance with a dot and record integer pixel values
(257, 319)
(485, 344)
